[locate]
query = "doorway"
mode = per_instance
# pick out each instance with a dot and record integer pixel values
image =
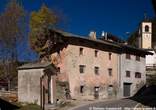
(127, 89)
(96, 92)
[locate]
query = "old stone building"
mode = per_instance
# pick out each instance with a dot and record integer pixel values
(133, 72)
(96, 68)
(82, 68)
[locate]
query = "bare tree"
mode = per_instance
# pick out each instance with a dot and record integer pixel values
(12, 26)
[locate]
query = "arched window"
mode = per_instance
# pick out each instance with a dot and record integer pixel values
(146, 28)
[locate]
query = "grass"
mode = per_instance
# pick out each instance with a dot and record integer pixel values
(29, 107)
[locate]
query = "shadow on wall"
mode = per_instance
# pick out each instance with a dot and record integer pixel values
(4, 105)
(146, 96)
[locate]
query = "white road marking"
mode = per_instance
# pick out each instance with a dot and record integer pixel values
(135, 108)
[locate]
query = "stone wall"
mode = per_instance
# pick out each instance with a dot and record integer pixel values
(69, 61)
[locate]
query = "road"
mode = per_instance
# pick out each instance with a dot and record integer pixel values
(122, 104)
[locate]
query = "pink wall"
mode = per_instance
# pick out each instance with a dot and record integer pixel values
(69, 61)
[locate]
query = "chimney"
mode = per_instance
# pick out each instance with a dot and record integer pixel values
(105, 36)
(92, 35)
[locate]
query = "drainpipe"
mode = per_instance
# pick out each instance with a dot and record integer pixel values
(119, 75)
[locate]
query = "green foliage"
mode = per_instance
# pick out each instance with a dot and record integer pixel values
(39, 22)
(30, 107)
(152, 79)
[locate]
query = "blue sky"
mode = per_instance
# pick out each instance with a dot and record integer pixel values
(82, 16)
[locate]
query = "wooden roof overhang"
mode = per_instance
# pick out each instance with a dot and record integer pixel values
(61, 39)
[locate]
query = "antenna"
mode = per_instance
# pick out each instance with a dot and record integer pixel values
(145, 15)
(106, 36)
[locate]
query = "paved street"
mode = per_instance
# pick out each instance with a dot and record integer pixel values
(110, 105)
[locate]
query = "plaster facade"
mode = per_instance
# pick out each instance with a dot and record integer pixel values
(132, 65)
(30, 86)
(75, 57)
(70, 70)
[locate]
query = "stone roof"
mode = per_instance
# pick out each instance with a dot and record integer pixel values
(70, 35)
(36, 65)
(105, 42)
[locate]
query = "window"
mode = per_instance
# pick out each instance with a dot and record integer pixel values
(146, 28)
(96, 70)
(128, 74)
(110, 90)
(128, 56)
(110, 71)
(81, 51)
(59, 69)
(96, 88)
(81, 67)
(137, 75)
(110, 55)
(137, 58)
(96, 53)
(96, 92)
(81, 89)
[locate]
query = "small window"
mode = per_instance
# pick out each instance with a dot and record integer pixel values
(128, 74)
(81, 51)
(81, 89)
(96, 53)
(110, 71)
(128, 56)
(58, 69)
(96, 88)
(81, 68)
(146, 28)
(110, 56)
(137, 58)
(96, 70)
(137, 75)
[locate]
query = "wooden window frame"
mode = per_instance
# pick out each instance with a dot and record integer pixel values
(137, 75)
(110, 55)
(82, 68)
(128, 74)
(96, 53)
(81, 51)
(81, 89)
(110, 71)
(96, 70)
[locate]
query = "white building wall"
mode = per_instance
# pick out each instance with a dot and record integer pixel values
(133, 66)
(151, 59)
(29, 85)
